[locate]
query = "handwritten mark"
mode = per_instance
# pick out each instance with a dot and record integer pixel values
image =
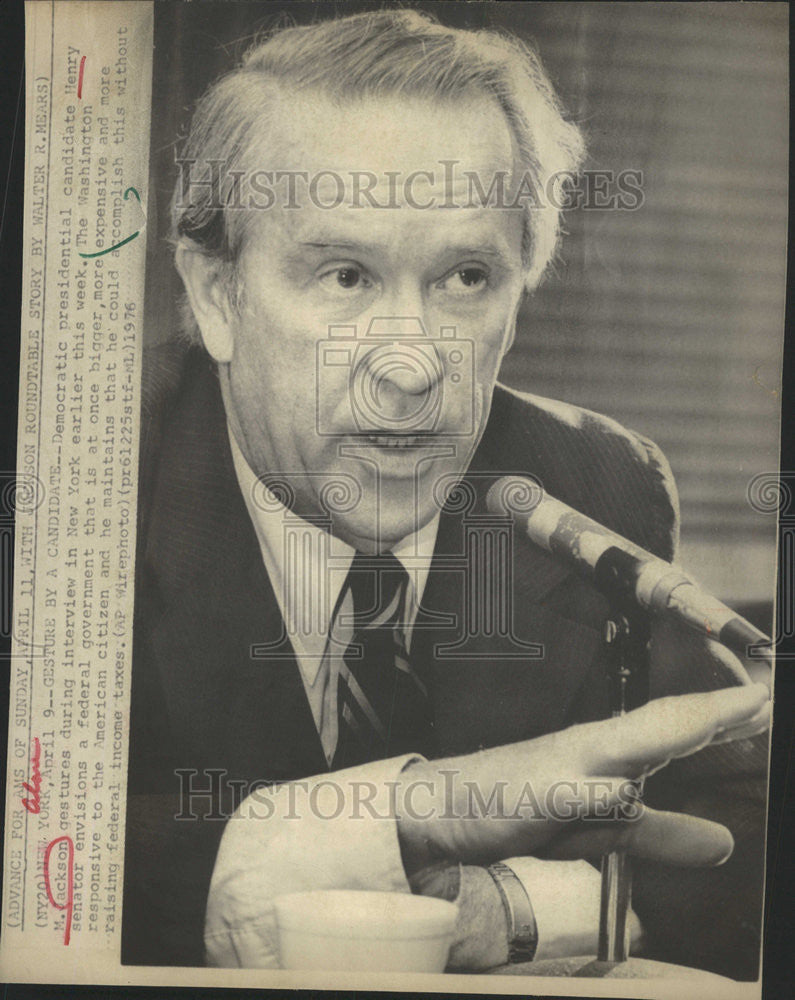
(80, 77)
(68, 906)
(116, 246)
(122, 243)
(34, 786)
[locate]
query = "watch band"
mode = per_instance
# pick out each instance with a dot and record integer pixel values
(522, 930)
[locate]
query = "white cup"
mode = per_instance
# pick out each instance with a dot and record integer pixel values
(349, 930)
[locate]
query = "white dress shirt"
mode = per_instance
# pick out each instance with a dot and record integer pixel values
(307, 600)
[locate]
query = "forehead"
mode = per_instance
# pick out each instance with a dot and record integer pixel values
(390, 165)
(382, 133)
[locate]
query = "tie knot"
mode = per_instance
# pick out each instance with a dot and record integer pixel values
(377, 585)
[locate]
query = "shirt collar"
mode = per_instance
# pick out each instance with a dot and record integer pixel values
(284, 537)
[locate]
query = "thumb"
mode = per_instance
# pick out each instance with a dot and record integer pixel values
(671, 838)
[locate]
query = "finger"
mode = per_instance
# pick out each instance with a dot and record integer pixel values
(635, 931)
(594, 797)
(726, 664)
(676, 839)
(645, 739)
(671, 838)
(760, 723)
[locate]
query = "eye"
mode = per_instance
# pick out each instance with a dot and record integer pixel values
(348, 278)
(465, 280)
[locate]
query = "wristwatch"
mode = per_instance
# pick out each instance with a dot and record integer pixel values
(522, 930)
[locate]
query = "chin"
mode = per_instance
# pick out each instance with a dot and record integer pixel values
(395, 524)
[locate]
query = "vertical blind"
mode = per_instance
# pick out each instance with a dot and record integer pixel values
(668, 317)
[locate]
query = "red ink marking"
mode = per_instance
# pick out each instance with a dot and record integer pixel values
(70, 889)
(34, 787)
(80, 77)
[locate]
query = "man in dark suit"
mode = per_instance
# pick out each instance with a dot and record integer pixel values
(351, 333)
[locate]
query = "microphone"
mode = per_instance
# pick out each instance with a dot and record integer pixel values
(618, 567)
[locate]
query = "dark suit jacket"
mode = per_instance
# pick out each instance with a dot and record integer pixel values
(201, 704)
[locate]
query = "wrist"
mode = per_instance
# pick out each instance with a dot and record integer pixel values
(418, 807)
(481, 930)
(442, 881)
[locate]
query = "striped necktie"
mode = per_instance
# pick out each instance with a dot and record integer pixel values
(382, 703)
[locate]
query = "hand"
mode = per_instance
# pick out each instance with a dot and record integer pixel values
(554, 796)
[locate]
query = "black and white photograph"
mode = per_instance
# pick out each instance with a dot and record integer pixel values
(423, 363)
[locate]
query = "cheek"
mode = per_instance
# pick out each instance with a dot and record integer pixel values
(489, 349)
(274, 343)
(277, 376)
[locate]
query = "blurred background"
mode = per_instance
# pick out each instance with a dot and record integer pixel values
(668, 317)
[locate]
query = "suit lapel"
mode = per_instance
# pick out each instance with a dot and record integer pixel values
(504, 636)
(241, 693)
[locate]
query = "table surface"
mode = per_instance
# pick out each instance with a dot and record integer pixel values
(586, 966)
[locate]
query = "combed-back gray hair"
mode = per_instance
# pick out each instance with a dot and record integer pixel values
(379, 53)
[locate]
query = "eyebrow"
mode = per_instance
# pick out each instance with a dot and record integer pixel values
(489, 249)
(485, 249)
(332, 245)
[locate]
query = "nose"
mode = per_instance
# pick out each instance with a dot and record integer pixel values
(401, 356)
(410, 369)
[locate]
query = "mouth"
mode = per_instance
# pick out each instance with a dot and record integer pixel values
(388, 440)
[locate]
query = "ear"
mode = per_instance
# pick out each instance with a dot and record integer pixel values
(208, 299)
(510, 328)
(510, 336)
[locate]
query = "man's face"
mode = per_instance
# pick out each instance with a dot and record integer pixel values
(368, 340)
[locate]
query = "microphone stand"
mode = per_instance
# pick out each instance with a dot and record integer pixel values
(626, 641)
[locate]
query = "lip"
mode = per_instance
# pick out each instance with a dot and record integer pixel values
(389, 441)
(395, 455)
(400, 464)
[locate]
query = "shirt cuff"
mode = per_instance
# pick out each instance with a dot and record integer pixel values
(330, 831)
(562, 894)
